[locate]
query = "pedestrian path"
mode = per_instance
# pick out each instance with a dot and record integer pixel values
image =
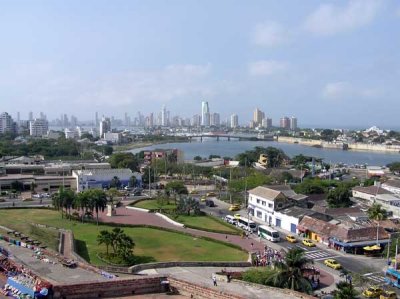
(317, 255)
(377, 278)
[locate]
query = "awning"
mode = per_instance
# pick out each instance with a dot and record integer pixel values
(358, 244)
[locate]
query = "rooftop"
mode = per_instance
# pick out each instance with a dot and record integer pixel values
(372, 190)
(265, 192)
(392, 183)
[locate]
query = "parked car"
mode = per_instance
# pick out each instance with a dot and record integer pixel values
(210, 194)
(230, 219)
(308, 242)
(203, 198)
(291, 239)
(194, 191)
(332, 263)
(372, 292)
(210, 203)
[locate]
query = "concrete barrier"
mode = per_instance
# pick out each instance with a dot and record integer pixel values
(137, 209)
(166, 218)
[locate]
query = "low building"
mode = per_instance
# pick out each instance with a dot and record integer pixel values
(114, 138)
(101, 178)
(392, 186)
(368, 193)
(38, 183)
(375, 171)
(172, 155)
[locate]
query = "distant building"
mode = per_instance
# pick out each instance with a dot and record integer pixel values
(7, 124)
(196, 120)
(258, 116)
(172, 155)
(293, 123)
(284, 123)
(234, 121)
(70, 133)
(105, 126)
(215, 120)
(38, 127)
(205, 114)
(113, 137)
(267, 123)
(164, 121)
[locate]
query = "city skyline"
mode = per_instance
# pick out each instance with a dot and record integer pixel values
(305, 61)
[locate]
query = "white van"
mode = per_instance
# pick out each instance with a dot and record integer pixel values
(230, 219)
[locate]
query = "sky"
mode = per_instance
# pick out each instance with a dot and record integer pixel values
(330, 63)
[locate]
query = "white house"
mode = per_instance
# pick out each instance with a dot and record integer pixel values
(392, 186)
(369, 193)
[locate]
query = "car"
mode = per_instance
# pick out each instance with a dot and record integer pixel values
(237, 216)
(308, 243)
(230, 219)
(210, 203)
(291, 239)
(194, 191)
(372, 292)
(203, 198)
(388, 295)
(234, 208)
(333, 264)
(210, 194)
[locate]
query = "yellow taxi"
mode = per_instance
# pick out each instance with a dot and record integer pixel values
(234, 207)
(194, 191)
(291, 239)
(333, 264)
(210, 194)
(308, 242)
(203, 198)
(372, 292)
(237, 216)
(388, 295)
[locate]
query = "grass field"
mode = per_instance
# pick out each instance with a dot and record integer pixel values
(151, 244)
(199, 222)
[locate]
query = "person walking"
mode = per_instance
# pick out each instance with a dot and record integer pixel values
(214, 279)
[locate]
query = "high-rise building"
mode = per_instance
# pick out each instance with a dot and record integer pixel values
(151, 120)
(96, 120)
(258, 116)
(105, 126)
(234, 121)
(293, 123)
(38, 127)
(18, 117)
(215, 119)
(164, 116)
(7, 124)
(267, 123)
(30, 116)
(205, 114)
(196, 120)
(284, 122)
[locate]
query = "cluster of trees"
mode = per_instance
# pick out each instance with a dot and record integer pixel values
(376, 212)
(124, 160)
(188, 206)
(252, 180)
(120, 243)
(86, 202)
(276, 157)
(394, 167)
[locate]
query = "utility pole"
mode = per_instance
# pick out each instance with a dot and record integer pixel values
(150, 181)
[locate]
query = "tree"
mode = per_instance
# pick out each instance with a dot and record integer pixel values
(176, 187)
(115, 183)
(81, 203)
(289, 273)
(105, 238)
(394, 167)
(339, 197)
(376, 212)
(188, 204)
(275, 156)
(345, 290)
(124, 160)
(197, 158)
(98, 201)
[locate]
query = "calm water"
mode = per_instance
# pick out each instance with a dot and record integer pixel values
(232, 148)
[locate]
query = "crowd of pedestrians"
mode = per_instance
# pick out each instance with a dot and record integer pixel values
(268, 257)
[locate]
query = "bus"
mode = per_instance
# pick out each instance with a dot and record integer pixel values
(247, 224)
(268, 233)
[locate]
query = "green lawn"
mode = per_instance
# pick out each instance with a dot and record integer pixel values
(151, 204)
(151, 244)
(199, 222)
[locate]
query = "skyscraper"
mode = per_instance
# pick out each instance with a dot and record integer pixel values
(293, 123)
(96, 120)
(7, 124)
(105, 126)
(284, 122)
(38, 127)
(234, 121)
(164, 116)
(205, 114)
(215, 119)
(30, 117)
(258, 116)
(267, 123)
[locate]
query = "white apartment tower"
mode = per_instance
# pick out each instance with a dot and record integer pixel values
(205, 114)
(164, 121)
(234, 121)
(293, 123)
(258, 116)
(105, 126)
(38, 127)
(6, 123)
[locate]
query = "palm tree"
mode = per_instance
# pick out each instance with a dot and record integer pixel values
(105, 237)
(345, 290)
(81, 202)
(289, 273)
(116, 237)
(376, 212)
(98, 201)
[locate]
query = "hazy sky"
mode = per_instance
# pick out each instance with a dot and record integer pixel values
(327, 62)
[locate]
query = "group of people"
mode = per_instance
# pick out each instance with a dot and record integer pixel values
(268, 257)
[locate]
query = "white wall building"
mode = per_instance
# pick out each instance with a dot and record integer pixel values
(113, 137)
(105, 126)
(38, 127)
(6, 123)
(205, 114)
(101, 178)
(234, 121)
(392, 186)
